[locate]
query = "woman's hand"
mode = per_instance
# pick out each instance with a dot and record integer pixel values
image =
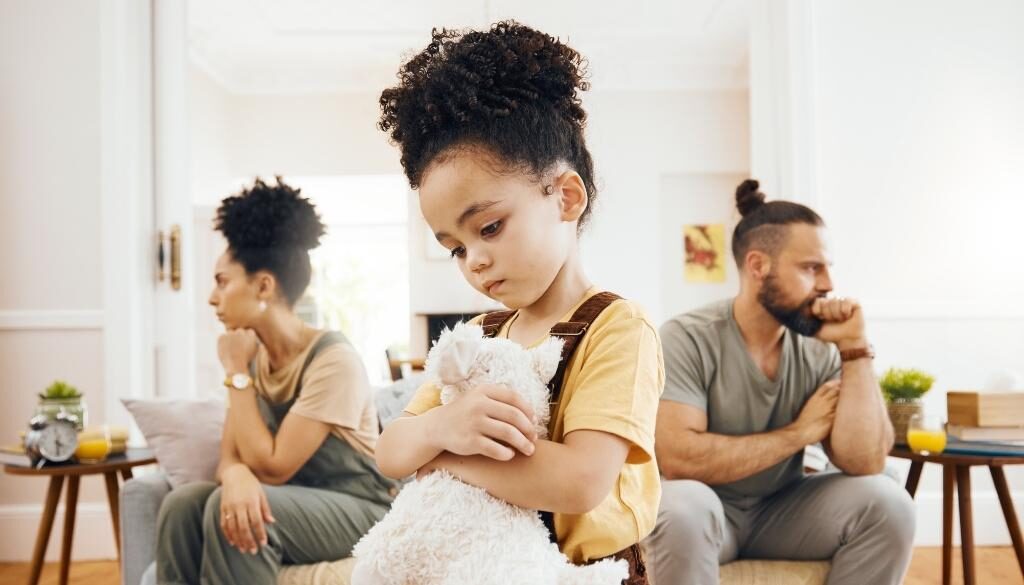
(236, 348)
(243, 509)
(489, 420)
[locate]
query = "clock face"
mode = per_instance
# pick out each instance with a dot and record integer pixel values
(58, 441)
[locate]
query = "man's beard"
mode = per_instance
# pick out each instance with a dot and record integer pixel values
(799, 319)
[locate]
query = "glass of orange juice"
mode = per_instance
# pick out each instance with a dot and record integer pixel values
(926, 435)
(94, 445)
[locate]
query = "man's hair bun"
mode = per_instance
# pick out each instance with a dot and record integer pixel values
(748, 197)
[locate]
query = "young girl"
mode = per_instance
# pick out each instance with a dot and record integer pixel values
(490, 126)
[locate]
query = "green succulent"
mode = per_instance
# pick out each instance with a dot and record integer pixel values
(60, 390)
(905, 384)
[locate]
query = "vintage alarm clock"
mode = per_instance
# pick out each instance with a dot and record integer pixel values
(52, 440)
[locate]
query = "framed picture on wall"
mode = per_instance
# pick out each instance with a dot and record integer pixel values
(704, 253)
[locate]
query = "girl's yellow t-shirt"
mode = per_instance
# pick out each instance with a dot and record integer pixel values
(613, 384)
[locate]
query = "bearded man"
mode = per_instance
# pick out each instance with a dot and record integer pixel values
(750, 382)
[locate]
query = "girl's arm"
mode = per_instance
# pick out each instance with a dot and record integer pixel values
(568, 478)
(489, 421)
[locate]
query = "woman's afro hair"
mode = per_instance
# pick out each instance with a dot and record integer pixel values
(272, 228)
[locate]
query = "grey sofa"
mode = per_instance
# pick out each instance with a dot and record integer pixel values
(141, 497)
(140, 502)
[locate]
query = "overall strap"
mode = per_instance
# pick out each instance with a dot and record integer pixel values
(572, 331)
(493, 322)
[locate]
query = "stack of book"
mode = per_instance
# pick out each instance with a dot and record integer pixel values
(985, 423)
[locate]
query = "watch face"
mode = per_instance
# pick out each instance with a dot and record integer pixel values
(58, 441)
(240, 381)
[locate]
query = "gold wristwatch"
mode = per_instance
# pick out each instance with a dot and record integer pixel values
(238, 381)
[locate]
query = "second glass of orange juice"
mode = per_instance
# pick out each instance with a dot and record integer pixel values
(926, 434)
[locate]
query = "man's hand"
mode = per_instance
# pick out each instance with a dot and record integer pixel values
(815, 421)
(843, 322)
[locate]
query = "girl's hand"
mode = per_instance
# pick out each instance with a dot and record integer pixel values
(236, 348)
(243, 509)
(489, 421)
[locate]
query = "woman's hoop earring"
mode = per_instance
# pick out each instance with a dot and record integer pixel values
(549, 189)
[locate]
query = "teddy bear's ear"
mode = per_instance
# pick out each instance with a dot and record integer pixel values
(451, 358)
(546, 357)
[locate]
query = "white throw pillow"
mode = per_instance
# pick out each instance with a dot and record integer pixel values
(184, 435)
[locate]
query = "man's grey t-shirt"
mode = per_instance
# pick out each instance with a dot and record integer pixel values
(707, 366)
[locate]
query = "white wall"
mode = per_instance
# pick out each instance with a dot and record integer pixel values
(637, 139)
(686, 199)
(51, 303)
(917, 141)
(210, 126)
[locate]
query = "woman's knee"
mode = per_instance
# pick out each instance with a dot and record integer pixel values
(211, 513)
(184, 505)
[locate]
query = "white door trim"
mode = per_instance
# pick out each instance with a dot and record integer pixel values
(126, 178)
(782, 100)
(173, 310)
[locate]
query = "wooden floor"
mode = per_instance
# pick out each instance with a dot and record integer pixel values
(995, 566)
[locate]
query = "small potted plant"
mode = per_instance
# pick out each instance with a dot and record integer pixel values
(62, 397)
(903, 389)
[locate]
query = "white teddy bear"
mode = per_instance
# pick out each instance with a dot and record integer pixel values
(443, 531)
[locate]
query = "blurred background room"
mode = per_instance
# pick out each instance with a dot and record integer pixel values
(123, 123)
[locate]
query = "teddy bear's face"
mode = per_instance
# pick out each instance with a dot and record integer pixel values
(463, 359)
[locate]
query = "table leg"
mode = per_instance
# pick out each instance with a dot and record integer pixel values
(115, 508)
(70, 510)
(914, 477)
(1012, 524)
(45, 525)
(963, 492)
(948, 485)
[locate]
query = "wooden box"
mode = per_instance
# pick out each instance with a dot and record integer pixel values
(985, 409)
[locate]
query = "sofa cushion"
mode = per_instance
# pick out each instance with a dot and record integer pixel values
(758, 572)
(325, 573)
(184, 435)
(392, 399)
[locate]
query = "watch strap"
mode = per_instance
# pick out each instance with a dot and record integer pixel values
(849, 355)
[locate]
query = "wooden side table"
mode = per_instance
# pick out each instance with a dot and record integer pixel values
(956, 474)
(115, 464)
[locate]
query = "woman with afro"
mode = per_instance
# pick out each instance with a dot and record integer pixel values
(491, 131)
(297, 482)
